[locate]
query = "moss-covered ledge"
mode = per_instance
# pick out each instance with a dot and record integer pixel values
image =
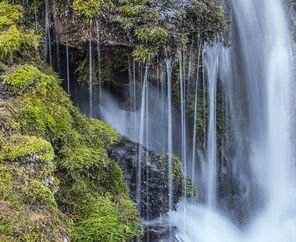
(54, 168)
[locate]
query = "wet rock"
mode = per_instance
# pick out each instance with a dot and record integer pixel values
(154, 177)
(160, 233)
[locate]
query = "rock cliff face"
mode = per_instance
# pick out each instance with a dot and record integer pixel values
(154, 185)
(56, 180)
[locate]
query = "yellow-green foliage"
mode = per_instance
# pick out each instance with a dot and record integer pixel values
(7, 120)
(15, 39)
(143, 55)
(132, 10)
(18, 146)
(22, 76)
(106, 221)
(10, 14)
(91, 8)
(41, 130)
(10, 42)
(177, 175)
(155, 35)
(151, 26)
(27, 224)
(27, 208)
(18, 188)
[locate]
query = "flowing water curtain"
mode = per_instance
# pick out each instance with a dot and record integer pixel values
(90, 71)
(47, 39)
(194, 138)
(57, 44)
(141, 139)
(67, 52)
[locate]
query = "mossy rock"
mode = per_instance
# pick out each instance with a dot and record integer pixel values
(10, 14)
(18, 147)
(22, 76)
(106, 221)
(17, 187)
(25, 223)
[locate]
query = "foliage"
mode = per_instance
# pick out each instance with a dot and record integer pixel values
(10, 14)
(42, 137)
(106, 221)
(17, 146)
(22, 76)
(177, 175)
(91, 8)
(152, 26)
(27, 208)
(10, 42)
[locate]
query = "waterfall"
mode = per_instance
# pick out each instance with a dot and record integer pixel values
(183, 119)
(90, 71)
(141, 138)
(47, 40)
(193, 168)
(211, 63)
(99, 59)
(67, 55)
(35, 16)
(170, 135)
(56, 36)
(256, 75)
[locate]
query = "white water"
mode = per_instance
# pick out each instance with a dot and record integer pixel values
(90, 71)
(57, 44)
(193, 168)
(99, 58)
(170, 145)
(141, 138)
(67, 55)
(47, 41)
(257, 78)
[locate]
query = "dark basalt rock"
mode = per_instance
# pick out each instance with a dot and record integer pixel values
(154, 184)
(160, 233)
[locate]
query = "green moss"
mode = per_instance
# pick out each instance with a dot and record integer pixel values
(156, 35)
(37, 193)
(22, 76)
(16, 147)
(177, 176)
(27, 224)
(17, 187)
(78, 157)
(10, 14)
(131, 10)
(41, 131)
(91, 8)
(10, 42)
(7, 119)
(106, 221)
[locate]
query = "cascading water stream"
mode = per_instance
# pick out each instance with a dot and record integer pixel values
(90, 70)
(99, 59)
(211, 61)
(35, 16)
(170, 135)
(141, 139)
(183, 120)
(193, 171)
(67, 55)
(256, 76)
(57, 44)
(47, 44)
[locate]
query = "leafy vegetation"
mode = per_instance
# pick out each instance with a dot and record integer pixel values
(54, 168)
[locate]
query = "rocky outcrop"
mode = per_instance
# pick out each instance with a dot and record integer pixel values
(154, 173)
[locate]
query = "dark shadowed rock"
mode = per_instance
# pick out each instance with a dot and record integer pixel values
(154, 182)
